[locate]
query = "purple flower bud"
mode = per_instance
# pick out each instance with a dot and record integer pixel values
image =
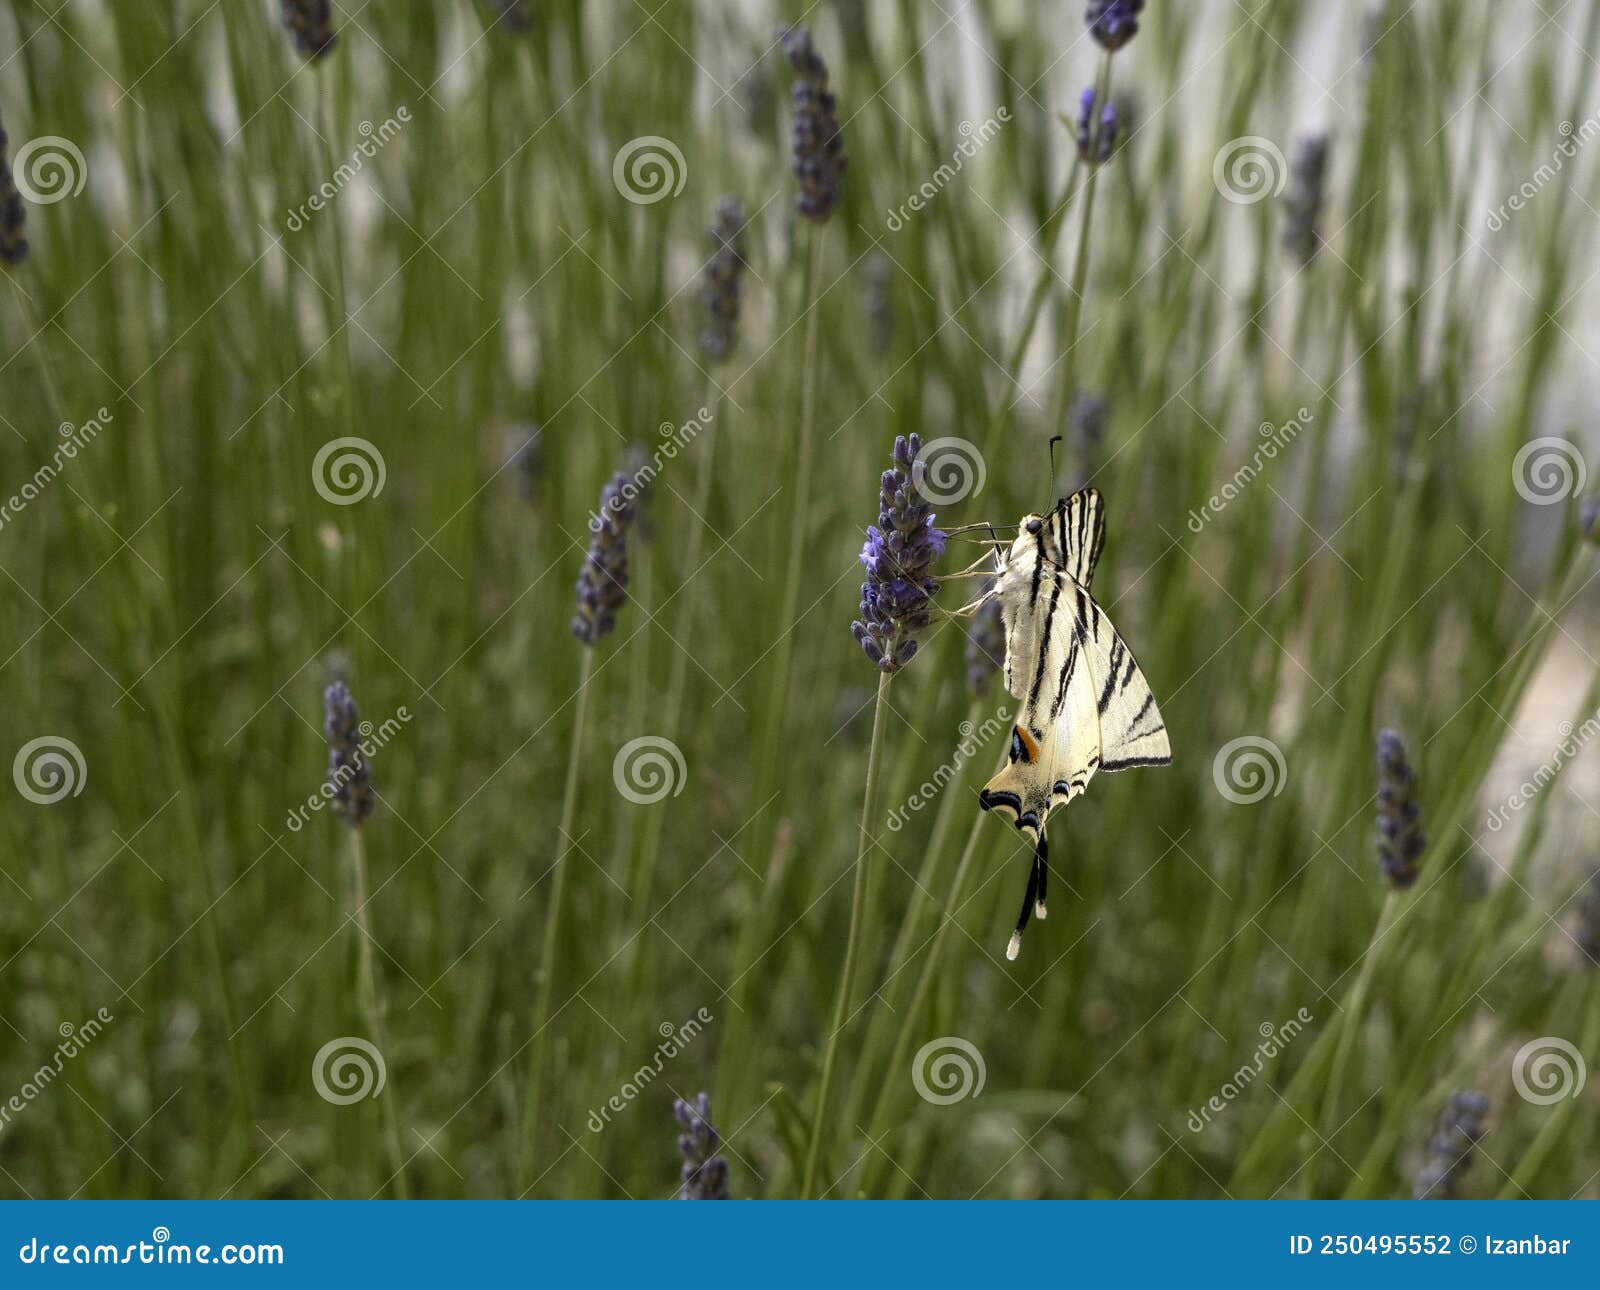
(1113, 22)
(986, 644)
(819, 157)
(1588, 931)
(13, 215)
(1589, 519)
(1304, 199)
(705, 1173)
(349, 771)
(602, 585)
(1401, 841)
(897, 597)
(1450, 1148)
(722, 273)
(1096, 137)
(310, 24)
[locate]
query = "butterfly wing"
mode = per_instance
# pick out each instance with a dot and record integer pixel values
(1055, 743)
(1078, 526)
(1132, 732)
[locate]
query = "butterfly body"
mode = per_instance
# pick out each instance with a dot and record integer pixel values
(1083, 704)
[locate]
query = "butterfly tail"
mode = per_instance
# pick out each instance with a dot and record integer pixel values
(1033, 900)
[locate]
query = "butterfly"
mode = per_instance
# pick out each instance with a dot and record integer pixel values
(1084, 705)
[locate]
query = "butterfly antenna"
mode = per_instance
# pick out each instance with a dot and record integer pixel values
(1054, 440)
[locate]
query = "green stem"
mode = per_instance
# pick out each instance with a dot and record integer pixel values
(1350, 1021)
(367, 994)
(852, 945)
(671, 713)
(552, 927)
(1080, 276)
(745, 949)
(889, 1086)
(1558, 1126)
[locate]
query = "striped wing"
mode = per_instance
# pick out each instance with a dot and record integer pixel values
(1055, 744)
(1132, 732)
(1078, 525)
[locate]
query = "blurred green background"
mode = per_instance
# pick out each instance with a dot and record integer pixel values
(502, 311)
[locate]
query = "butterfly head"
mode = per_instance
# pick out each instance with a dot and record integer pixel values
(1039, 535)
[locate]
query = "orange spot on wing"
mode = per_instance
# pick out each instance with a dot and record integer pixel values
(1030, 745)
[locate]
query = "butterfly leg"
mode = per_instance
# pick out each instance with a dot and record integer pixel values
(965, 611)
(1015, 947)
(983, 566)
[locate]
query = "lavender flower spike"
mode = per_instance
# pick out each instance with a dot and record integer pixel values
(13, 215)
(1113, 22)
(310, 24)
(602, 585)
(819, 158)
(1401, 841)
(1588, 932)
(986, 645)
(1096, 138)
(1304, 201)
(349, 771)
(897, 597)
(1450, 1149)
(1588, 509)
(705, 1174)
(723, 271)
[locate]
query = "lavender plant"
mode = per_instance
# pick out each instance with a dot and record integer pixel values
(704, 1175)
(819, 155)
(1113, 23)
(900, 551)
(1097, 129)
(1401, 841)
(310, 26)
(171, 568)
(13, 215)
(1304, 199)
(722, 273)
(1451, 1146)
